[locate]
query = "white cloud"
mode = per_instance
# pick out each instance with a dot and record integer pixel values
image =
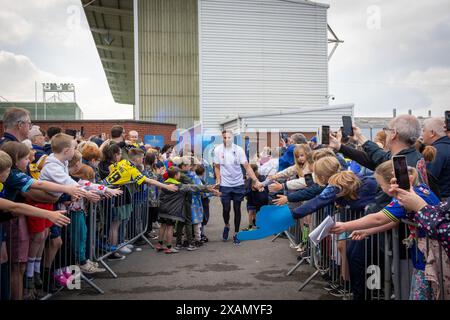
(434, 82)
(14, 28)
(18, 84)
(31, 5)
(19, 75)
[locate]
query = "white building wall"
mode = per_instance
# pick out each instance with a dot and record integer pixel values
(261, 55)
(306, 120)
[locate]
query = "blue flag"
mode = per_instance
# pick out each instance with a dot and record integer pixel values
(270, 220)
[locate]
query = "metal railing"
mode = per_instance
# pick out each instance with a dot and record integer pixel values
(94, 234)
(380, 267)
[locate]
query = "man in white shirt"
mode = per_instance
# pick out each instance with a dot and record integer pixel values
(228, 158)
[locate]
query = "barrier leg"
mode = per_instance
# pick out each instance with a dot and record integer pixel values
(148, 241)
(290, 238)
(307, 281)
(91, 284)
(276, 237)
(298, 265)
(103, 263)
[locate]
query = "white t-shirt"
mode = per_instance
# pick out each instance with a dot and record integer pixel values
(230, 160)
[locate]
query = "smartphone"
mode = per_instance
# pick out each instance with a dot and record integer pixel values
(309, 180)
(401, 172)
(344, 136)
(447, 120)
(284, 136)
(82, 131)
(325, 134)
(348, 126)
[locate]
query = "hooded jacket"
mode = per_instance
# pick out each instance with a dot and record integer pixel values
(176, 205)
(57, 172)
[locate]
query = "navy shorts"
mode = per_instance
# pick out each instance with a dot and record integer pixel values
(55, 232)
(232, 193)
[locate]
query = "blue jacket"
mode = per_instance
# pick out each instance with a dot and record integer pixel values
(440, 167)
(48, 148)
(366, 195)
(39, 152)
(287, 159)
(305, 194)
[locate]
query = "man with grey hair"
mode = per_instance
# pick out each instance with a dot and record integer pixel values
(401, 135)
(16, 125)
(287, 159)
(434, 135)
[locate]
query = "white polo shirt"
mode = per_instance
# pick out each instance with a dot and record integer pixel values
(230, 160)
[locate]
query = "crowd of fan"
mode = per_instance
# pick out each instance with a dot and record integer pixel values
(45, 175)
(357, 174)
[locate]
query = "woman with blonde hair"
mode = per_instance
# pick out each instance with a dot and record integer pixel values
(301, 154)
(323, 169)
(345, 189)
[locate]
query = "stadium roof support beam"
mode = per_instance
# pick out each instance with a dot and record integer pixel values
(109, 11)
(115, 71)
(117, 61)
(335, 39)
(127, 34)
(115, 49)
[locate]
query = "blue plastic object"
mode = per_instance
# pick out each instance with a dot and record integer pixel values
(270, 220)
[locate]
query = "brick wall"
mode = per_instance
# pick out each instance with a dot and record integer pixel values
(94, 127)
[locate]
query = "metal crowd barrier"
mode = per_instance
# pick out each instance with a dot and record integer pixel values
(380, 267)
(88, 236)
(123, 218)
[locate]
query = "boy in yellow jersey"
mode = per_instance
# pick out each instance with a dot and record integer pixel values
(122, 172)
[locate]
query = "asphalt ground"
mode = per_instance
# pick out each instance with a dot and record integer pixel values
(218, 271)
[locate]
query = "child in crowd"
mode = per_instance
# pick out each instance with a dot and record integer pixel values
(91, 157)
(152, 172)
(255, 198)
(184, 164)
(84, 175)
(300, 168)
(346, 190)
(16, 185)
(120, 173)
(200, 171)
(56, 170)
(8, 210)
(391, 215)
(196, 204)
(175, 208)
(322, 169)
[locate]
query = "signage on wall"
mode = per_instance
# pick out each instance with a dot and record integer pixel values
(154, 141)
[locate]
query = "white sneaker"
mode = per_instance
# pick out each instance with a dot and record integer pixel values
(95, 264)
(89, 268)
(129, 246)
(125, 250)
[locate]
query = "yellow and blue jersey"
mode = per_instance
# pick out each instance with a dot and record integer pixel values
(395, 211)
(123, 172)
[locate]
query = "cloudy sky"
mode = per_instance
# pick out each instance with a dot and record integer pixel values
(395, 54)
